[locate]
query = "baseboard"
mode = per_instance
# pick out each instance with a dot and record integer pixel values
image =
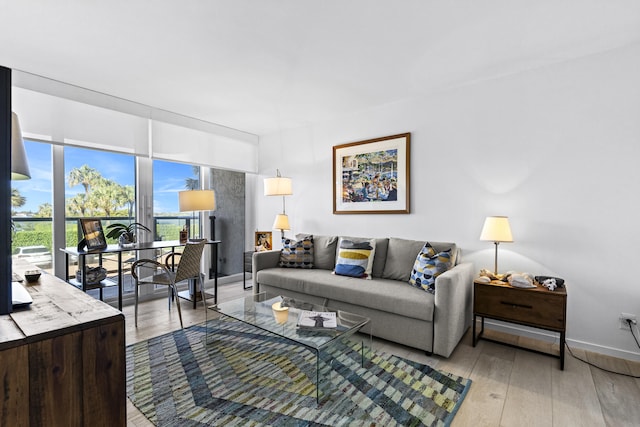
(548, 336)
(232, 278)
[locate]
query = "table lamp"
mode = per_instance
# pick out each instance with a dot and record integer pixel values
(281, 223)
(496, 229)
(197, 200)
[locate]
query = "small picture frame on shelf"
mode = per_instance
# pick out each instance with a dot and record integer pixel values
(93, 234)
(184, 235)
(263, 241)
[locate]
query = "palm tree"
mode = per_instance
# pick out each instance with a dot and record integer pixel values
(45, 210)
(77, 205)
(193, 183)
(85, 176)
(17, 199)
(128, 197)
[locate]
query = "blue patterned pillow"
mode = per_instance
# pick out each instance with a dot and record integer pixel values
(355, 259)
(428, 266)
(297, 254)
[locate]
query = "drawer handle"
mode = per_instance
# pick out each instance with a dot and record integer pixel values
(514, 305)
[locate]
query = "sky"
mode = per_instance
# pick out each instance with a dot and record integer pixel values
(169, 177)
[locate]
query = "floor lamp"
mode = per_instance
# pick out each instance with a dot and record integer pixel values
(19, 164)
(279, 186)
(196, 201)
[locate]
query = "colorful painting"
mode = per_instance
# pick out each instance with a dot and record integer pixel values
(372, 176)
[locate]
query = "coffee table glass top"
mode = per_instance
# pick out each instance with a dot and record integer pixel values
(279, 315)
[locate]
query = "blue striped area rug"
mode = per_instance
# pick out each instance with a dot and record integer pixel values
(247, 377)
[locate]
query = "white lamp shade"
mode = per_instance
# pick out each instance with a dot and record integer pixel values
(496, 229)
(19, 165)
(197, 200)
(281, 222)
(278, 186)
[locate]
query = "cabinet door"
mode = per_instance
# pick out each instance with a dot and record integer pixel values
(104, 369)
(55, 381)
(14, 393)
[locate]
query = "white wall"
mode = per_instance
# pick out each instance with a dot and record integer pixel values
(556, 149)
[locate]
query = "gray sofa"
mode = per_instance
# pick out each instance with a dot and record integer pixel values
(398, 311)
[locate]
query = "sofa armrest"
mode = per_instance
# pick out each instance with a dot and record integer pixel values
(453, 307)
(260, 261)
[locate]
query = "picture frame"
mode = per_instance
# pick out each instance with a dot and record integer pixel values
(263, 241)
(372, 176)
(93, 233)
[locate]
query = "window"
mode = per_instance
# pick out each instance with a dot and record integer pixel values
(168, 179)
(31, 209)
(99, 184)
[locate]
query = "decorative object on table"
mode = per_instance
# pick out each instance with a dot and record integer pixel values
(317, 320)
(184, 234)
(93, 234)
(496, 229)
(372, 176)
(520, 280)
(32, 275)
(196, 201)
(125, 233)
(549, 282)
(262, 241)
(94, 275)
(279, 186)
(19, 163)
(280, 312)
(246, 377)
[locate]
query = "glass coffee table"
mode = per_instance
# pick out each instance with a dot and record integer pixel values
(278, 315)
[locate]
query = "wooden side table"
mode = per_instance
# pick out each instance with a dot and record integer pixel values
(248, 268)
(537, 307)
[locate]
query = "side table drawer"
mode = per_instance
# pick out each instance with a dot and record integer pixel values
(529, 307)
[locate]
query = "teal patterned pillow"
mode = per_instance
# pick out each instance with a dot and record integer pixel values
(428, 266)
(297, 254)
(355, 258)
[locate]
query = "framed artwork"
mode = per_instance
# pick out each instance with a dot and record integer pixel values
(263, 241)
(372, 177)
(93, 233)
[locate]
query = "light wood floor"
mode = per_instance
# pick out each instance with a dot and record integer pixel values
(511, 387)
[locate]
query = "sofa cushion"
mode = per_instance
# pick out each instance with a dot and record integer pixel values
(429, 265)
(379, 294)
(297, 254)
(401, 255)
(355, 258)
(324, 250)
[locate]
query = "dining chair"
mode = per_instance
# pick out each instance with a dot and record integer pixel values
(188, 267)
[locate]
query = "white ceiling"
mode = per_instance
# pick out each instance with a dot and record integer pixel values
(265, 65)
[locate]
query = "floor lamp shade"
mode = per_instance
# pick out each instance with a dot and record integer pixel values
(19, 164)
(197, 200)
(278, 186)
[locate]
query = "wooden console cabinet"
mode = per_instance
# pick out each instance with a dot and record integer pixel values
(537, 307)
(62, 359)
